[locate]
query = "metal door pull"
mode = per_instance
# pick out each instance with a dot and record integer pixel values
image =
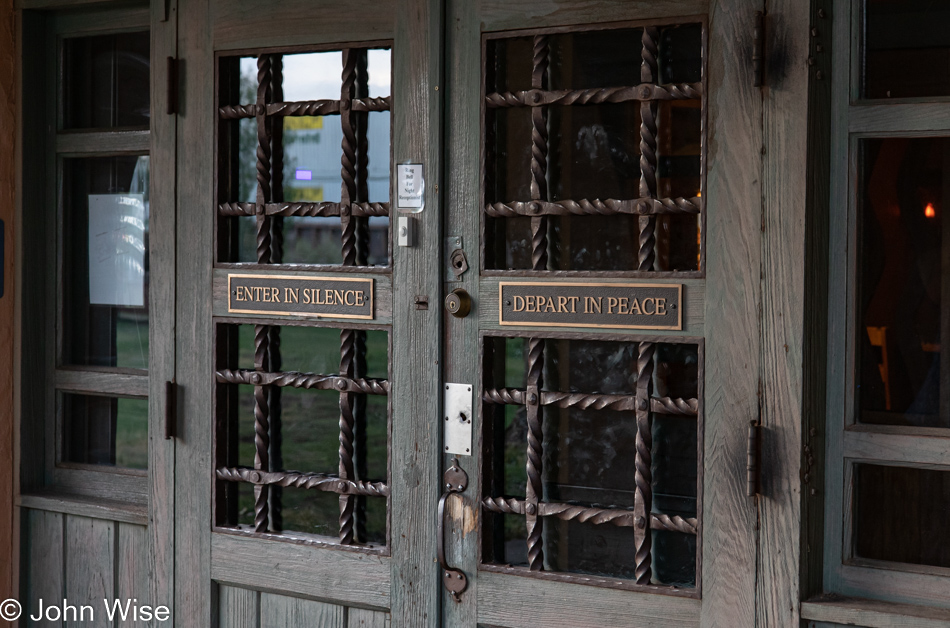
(456, 481)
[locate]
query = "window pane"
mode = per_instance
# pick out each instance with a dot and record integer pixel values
(903, 321)
(907, 48)
(303, 427)
(105, 261)
(106, 81)
(309, 157)
(901, 515)
(587, 455)
(110, 431)
(578, 159)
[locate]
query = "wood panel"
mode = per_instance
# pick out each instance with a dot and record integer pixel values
(132, 568)
(162, 303)
(7, 215)
(886, 443)
(856, 612)
(111, 143)
(460, 357)
(238, 608)
(88, 380)
(500, 15)
(194, 336)
(900, 119)
(841, 297)
(814, 354)
(733, 308)
(561, 605)
(44, 569)
(90, 564)
(362, 618)
(784, 177)
(73, 505)
(281, 611)
(254, 23)
(323, 573)
(415, 389)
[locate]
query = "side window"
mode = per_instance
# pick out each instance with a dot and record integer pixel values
(97, 258)
(888, 473)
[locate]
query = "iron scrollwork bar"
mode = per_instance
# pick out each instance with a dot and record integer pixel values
(596, 515)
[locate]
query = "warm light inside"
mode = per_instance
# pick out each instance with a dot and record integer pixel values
(929, 211)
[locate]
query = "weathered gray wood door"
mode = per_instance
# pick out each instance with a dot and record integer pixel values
(595, 152)
(606, 152)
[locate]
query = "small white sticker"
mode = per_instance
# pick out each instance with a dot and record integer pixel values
(410, 187)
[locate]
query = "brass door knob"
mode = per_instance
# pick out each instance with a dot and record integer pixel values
(458, 303)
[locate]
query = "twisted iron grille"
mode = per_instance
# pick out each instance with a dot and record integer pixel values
(270, 209)
(650, 257)
(649, 93)
(651, 378)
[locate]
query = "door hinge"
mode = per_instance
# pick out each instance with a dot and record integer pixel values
(171, 410)
(758, 49)
(171, 94)
(753, 459)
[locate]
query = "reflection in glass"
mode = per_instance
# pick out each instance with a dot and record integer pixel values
(109, 431)
(901, 515)
(106, 82)
(310, 432)
(304, 430)
(508, 64)
(311, 149)
(596, 59)
(680, 57)
(593, 59)
(906, 48)
(105, 261)
(593, 150)
(903, 322)
(588, 456)
(309, 76)
(316, 350)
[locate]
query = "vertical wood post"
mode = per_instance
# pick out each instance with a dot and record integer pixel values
(417, 126)
(7, 210)
(785, 142)
(194, 591)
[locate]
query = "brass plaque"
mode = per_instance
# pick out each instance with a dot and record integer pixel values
(284, 295)
(613, 305)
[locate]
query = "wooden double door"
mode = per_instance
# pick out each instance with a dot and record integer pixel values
(467, 306)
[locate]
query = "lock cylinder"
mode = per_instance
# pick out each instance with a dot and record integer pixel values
(458, 303)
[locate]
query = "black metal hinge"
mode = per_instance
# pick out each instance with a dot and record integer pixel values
(758, 50)
(171, 410)
(753, 459)
(171, 98)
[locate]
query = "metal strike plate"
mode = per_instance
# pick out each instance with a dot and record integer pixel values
(452, 244)
(457, 419)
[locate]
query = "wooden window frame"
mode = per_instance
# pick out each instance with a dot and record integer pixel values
(848, 442)
(118, 493)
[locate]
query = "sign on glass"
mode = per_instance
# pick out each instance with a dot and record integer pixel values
(117, 249)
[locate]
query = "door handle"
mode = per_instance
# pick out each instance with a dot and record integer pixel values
(456, 481)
